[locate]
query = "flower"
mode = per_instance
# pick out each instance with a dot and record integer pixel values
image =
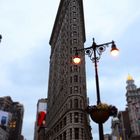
(102, 106)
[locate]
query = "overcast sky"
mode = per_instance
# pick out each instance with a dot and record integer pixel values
(26, 27)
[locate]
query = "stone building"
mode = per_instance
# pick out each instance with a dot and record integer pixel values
(67, 97)
(133, 103)
(3, 134)
(127, 127)
(15, 112)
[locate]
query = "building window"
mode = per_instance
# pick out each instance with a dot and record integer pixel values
(70, 90)
(74, 33)
(80, 79)
(75, 41)
(74, 49)
(70, 117)
(76, 130)
(70, 79)
(74, 2)
(74, 8)
(64, 135)
(70, 103)
(75, 78)
(71, 69)
(71, 50)
(71, 34)
(75, 89)
(61, 137)
(74, 20)
(71, 61)
(75, 103)
(79, 69)
(65, 121)
(74, 27)
(76, 117)
(80, 90)
(81, 118)
(81, 105)
(71, 133)
(74, 14)
(75, 68)
(60, 125)
(70, 42)
(82, 133)
(57, 128)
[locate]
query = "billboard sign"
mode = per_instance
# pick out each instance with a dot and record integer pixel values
(42, 107)
(4, 118)
(41, 118)
(41, 112)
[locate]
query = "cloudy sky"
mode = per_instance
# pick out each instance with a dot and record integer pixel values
(26, 27)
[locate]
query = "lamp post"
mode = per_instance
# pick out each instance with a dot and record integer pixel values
(95, 52)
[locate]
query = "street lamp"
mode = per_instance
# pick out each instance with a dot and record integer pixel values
(101, 112)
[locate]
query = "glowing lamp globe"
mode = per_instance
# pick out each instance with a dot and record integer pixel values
(76, 60)
(114, 50)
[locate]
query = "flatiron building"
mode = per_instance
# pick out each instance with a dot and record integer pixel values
(67, 97)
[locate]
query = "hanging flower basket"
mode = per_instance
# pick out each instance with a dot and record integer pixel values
(101, 112)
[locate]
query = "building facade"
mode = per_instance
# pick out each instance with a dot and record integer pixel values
(121, 126)
(15, 112)
(127, 126)
(40, 123)
(3, 134)
(133, 103)
(67, 97)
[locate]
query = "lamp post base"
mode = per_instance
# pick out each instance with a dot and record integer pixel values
(101, 131)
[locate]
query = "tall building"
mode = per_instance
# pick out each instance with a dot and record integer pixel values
(67, 97)
(127, 127)
(40, 123)
(3, 134)
(12, 122)
(133, 103)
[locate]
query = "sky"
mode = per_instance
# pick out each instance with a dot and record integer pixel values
(26, 27)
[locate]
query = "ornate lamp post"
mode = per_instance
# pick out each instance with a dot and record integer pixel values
(99, 113)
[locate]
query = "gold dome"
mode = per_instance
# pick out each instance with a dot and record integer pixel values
(129, 77)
